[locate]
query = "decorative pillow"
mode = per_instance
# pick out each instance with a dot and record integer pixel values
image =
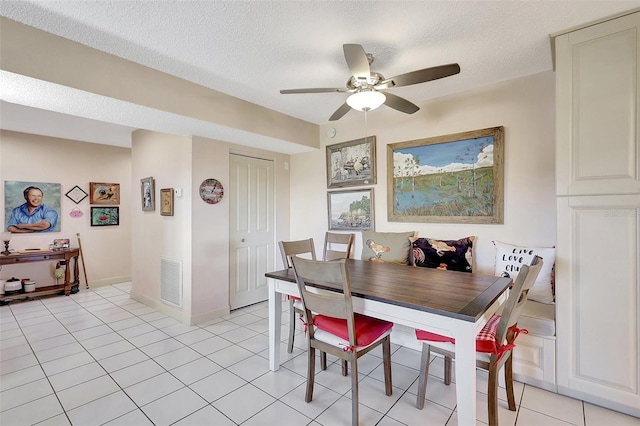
(510, 258)
(386, 246)
(453, 255)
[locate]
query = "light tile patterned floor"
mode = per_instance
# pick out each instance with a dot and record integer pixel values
(98, 357)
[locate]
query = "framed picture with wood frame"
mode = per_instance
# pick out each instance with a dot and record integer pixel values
(104, 193)
(351, 163)
(457, 178)
(166, 202)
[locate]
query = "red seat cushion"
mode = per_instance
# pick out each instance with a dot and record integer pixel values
(368, 329)
(485, 341)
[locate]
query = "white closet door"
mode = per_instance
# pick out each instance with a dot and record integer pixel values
(251, 230)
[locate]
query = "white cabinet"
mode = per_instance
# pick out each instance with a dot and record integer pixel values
(597, 109)
(598, 188)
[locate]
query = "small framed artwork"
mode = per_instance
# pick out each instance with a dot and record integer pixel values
(104, 193)
(455, 178)
(105, 216)
(351, 210)
(352, 163)
(148, 194)
(60, 243)
(76, 194)
(166, 201)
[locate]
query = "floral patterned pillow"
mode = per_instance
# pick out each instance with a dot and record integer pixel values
(452, 255)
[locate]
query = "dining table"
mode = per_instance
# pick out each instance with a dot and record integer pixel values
(450, 303)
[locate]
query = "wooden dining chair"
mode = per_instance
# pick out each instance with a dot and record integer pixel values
(494, 344)
(338, 246)
(287, 250)
(332, 326)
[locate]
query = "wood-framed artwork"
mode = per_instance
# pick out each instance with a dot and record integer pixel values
(457, 178)
(105, 216)
(166, 201)
(148, 194)
(104, 193)
(351, 163)
(351, 210)
(76, 194)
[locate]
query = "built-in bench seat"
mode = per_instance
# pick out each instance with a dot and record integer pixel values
(538, 318)
(534, 358)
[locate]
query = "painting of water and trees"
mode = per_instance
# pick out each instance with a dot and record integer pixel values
(351, 210)
(454, 178)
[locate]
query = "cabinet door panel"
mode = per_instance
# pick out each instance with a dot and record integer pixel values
(598, 109)
(598, 296)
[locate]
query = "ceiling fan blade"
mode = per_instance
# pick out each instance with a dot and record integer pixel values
(419, 76)
(357, 60)
(401, 104)
(317, 90)
(340, 112)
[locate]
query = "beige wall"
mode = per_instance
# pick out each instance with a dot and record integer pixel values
(525, 107)
(167, 159)
(107, 250)
(198, 234)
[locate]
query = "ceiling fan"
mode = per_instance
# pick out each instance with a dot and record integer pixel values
(365, 85)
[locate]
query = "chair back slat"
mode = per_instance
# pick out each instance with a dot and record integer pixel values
(296, 248)
(332, 304)
(518, 297)
(338, 246)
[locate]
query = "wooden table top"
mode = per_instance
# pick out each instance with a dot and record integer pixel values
(454, 294)
(37, 255)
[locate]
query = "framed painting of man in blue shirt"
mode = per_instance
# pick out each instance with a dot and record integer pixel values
(32, 206)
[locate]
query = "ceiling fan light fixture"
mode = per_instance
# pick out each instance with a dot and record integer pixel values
(366, 100)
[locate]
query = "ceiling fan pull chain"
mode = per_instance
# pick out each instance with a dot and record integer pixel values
(365, 125)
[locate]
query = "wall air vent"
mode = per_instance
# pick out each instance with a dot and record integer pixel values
(171, 281)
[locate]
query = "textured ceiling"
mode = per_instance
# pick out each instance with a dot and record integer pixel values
(252, 49)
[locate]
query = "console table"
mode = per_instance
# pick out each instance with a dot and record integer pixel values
(41, 256)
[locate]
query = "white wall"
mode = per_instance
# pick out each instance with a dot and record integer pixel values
(525, 107)
(107, 250)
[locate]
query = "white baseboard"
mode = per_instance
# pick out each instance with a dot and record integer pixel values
(177, 313)
(602, 402)
(108, 281)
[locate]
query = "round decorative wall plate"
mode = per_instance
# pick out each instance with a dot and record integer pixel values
(211, 191)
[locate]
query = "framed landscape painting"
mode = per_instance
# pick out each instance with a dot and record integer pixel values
(351, 210)
(456, 178)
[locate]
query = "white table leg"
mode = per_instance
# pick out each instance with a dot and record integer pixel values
(275, 325)
(466, 374)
